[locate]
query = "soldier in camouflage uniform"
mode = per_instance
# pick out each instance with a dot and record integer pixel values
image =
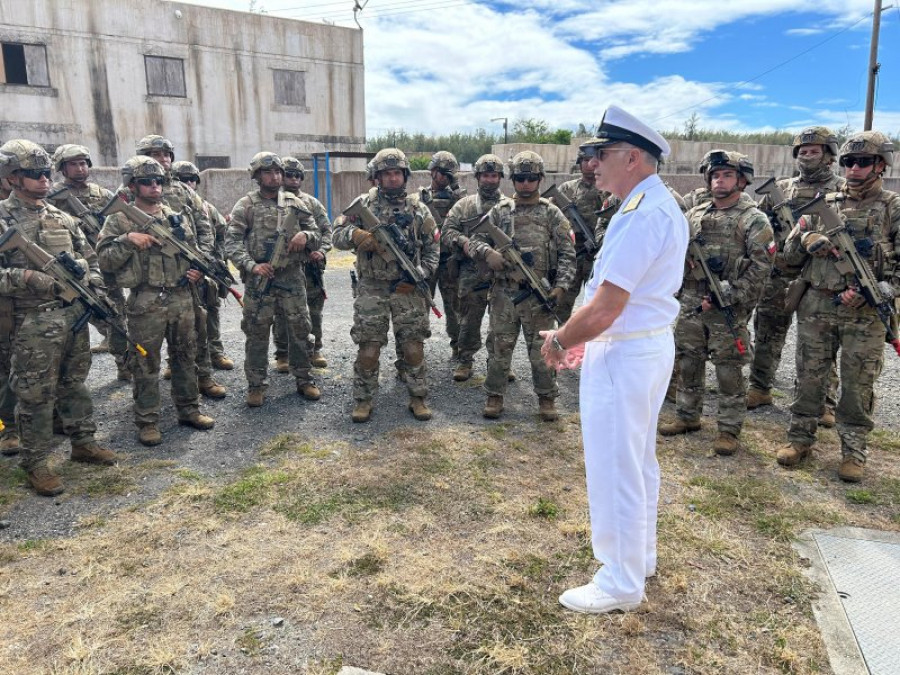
(385, 295)
(700, 195)
(739, 247)
(474, 278)
(815, 150)
(181, 199)
(49, 362)
(542, 233)
(833, 315)
(255, 224)
(440, 197)
(294, 174)
(589, 201)
(160, 305)
(189, 174)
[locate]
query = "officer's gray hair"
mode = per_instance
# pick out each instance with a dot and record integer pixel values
(650, 160)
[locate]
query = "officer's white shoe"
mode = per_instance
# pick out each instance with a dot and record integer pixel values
(589, 599)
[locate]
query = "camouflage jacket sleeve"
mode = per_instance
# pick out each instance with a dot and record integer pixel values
(430, 247)
(481, 242)
(235, 247)
(206, 236)
(452, 230)
(320, 216)
(113, 247)
(341, 236)
(759, 253)
(892, 231)
(561, 232)
(84, 251)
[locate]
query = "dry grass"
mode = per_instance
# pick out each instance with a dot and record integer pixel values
(436, 551)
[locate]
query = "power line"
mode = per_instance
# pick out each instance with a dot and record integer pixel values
(405, 5)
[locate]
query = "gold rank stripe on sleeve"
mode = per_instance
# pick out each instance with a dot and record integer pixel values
(633, 203)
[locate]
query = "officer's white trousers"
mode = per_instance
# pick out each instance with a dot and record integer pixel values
(623, 385)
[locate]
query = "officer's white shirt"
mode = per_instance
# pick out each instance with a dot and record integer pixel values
(643, 253)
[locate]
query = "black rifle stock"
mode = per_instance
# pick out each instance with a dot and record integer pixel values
(716, 294)
(69, 276)
(172, 245)
(390, 249)
(849, 261)
(91, 221)
(568, 207)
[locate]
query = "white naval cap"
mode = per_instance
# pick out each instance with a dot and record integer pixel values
(618, 126)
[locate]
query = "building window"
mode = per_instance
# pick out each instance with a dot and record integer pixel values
(165, 76)
(25, 64)
(205, 162)
(290, 87)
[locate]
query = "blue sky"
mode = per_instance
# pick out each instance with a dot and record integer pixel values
(440, 66)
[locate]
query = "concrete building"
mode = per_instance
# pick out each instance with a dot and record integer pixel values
(220, 84)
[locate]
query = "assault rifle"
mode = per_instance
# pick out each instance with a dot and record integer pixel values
(523, 271)
(568, 207)
(316, 272)
(69, 277)
(785, 218)
(275, 255)
(93, 222)
(849, 261)
(392, 248)
(172, 242)
(716, 293)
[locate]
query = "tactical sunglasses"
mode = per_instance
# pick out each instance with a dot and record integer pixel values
(35, 174)
(147, 182)
(862, 162)
(526, 177)
(189, 179)
(293, 174)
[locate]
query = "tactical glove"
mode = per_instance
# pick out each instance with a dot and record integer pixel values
(556, 295)
(816, 244)
(41, 284)
(363, 240)
(494, 260)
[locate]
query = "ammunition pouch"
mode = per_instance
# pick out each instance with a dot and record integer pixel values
(795, 292)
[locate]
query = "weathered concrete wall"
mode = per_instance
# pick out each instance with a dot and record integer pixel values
(98, 92)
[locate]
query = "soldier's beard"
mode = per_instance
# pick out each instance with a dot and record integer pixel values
(488, 191)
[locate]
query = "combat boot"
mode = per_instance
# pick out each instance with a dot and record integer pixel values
(418, 408)
(679, 426)
(362, 411)
(726, 444)
(211, 389)
(255, 398)
(123, 374)
(827, 418)
(510, 376)
(454, 352)
(9, 445)
(148, 434)
(672, 392)
(547, 409)
(282, 366)
(91, 453)
(317, 360)
(222, 362)
(757, 398)
(852, 469)
(167, 373)
(462, 372)
(792, 454)
(197, 420)
(44, 481)
(102, 348)
(309, 391)
(493, 408)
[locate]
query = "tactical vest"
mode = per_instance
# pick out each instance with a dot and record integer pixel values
(150, 267)
(588, 201)
(261, 216)
(407, 216)
(723, 236)
(527, 224)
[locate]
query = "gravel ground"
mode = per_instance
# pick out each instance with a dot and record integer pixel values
(240, 431)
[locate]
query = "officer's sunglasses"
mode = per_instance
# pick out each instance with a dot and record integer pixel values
(600, 153)
(293, 174)
(35, 174)
(526, 178)
(147, 182)
(862, 162)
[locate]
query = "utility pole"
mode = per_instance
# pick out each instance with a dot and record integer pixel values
(874, 66)
(505, 132)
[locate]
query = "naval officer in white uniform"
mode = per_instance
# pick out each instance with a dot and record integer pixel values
(622, 339)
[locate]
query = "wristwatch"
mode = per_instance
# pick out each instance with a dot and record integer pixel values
(556, 343)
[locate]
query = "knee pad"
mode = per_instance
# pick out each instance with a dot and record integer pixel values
(413, 353)
(368, 355)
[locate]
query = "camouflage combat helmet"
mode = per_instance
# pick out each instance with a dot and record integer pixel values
(264, 160)
(184, 169)
(487, 163)
(68, 152)
(294, 164)
(704, 162)
(390, 158)
(141, 166)
(155, 142)
(20, 154)
(723, 159)
(444, 162)
(526, 162)
(869, 143)
(816, 136)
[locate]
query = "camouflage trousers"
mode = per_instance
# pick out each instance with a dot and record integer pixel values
(315, 300)
(375, 309)
(118, 346)
(703, 336)
(152, 317)
(214, 326)
(49, 367)
(7, 395)
(584, 265)
(289, 307)
(823, 330)
(506, 322)
(447, 279)
(473, 305)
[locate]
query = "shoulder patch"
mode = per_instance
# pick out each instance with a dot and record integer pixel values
(633, 203)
